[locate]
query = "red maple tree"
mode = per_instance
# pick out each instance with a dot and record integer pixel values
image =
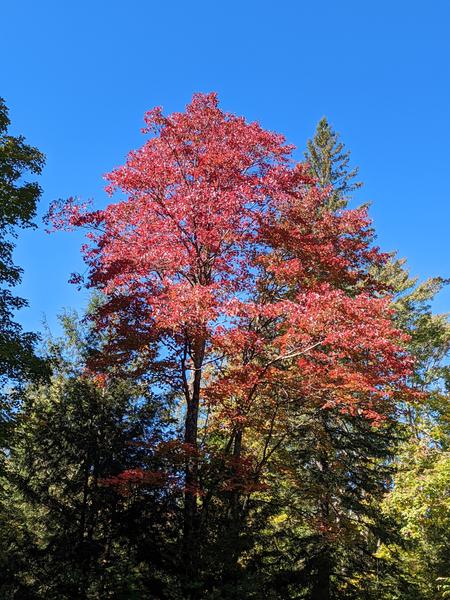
(224, 271)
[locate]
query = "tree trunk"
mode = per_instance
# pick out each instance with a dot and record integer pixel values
(190, 537)
(322, 584)
(232, 531)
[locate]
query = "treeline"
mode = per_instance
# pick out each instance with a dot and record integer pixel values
(255, 405)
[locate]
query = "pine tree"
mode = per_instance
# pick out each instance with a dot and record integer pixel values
(81, 516)
(329, 163)
(338, 462)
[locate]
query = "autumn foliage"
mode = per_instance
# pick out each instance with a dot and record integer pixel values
(225, 272)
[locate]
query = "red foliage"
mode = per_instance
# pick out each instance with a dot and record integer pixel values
(223, 259)
(136, 478)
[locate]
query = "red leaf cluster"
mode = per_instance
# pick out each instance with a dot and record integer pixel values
(223, 259)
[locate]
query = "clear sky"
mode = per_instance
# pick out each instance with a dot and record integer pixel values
(78, 76)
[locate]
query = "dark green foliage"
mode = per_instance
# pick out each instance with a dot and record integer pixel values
(18, 200)
(68, 530)
(338, 469)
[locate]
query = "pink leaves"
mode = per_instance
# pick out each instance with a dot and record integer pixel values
(186, 306)
(225, 254)
(195, 200)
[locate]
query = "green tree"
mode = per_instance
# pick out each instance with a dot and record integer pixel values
(419, 499)
(83, 516)
(18, 199)
(329, 162)
(358, 563)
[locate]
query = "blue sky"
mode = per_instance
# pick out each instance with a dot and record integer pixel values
(78, 76)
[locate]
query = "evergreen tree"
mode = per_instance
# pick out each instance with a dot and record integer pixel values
(329, 163)
(82, 516)
(338, 462)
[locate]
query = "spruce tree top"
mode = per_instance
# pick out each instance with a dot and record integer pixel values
(329, 163)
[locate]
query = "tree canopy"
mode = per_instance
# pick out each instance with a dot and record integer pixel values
(255, 404)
